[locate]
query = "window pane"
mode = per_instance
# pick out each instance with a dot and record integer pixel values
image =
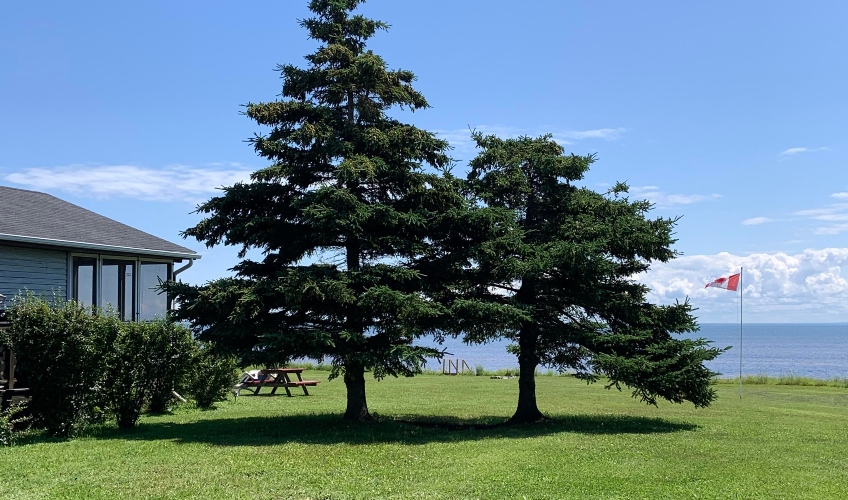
(83, 286)
(152, 303)
(128, 295)
(109, 286)
(118, 287)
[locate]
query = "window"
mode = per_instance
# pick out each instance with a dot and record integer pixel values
(84, 285)
(129, 286)
(118, 287)
(153, 303)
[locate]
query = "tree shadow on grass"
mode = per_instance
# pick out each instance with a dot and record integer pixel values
(581, 424)
(329, 428)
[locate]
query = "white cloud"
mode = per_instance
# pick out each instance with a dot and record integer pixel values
(839, 195)
(753, 221)
(664, 200)
(794, 151)
(832, 217)
(173, 183)
(609, 134)
(778, 287)
(813, 212)
(464, 146)
(798, 150)
(831, 229)
(687, 199)
(835, 212)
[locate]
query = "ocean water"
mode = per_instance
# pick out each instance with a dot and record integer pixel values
(818, 350)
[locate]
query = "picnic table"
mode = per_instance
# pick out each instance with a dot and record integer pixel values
(10, 396)
(274, 378)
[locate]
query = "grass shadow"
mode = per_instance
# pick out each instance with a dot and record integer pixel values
(329, 428)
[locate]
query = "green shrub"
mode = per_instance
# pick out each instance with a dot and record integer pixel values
(129, 373)
(146, 363)
(170, 355)
(12, 419)
(80, 361)
(212, 377)
(62, 347)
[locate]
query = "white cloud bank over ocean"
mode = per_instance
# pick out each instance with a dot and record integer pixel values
(807, 287)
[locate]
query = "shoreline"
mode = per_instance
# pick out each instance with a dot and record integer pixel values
(509, 373)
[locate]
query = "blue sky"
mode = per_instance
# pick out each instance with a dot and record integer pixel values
(729, 114)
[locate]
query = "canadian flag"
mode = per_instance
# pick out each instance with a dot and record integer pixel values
(730, 283)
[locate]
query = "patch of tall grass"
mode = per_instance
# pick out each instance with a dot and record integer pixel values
(787, 379)
(480, 371)
(309, 365)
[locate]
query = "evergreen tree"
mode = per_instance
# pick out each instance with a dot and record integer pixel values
(343, 208)
(559, 280)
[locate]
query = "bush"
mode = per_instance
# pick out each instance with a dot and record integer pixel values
(212, 377)
(62, 347)
(11, 420)
(171, 353)
(146, 363)
(129, 374)
(80, 360)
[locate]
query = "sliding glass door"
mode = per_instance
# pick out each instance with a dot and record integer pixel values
(130, 287)
(118, 287)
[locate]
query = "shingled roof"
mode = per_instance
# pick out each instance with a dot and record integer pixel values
(39, 218)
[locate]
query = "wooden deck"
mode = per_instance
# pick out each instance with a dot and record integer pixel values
(10, 391)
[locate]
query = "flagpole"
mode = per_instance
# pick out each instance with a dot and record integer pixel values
(740, 333)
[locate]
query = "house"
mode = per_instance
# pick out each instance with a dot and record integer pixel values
(49, 246)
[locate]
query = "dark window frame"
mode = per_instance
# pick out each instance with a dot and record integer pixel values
(122, 264)
(76, 263)
(136, 262)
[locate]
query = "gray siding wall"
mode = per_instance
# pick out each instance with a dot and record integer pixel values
(35, 269)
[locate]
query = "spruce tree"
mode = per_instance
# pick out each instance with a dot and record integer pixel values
(559, 279)
(348, 200)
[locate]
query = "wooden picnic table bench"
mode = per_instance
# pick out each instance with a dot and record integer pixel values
(273, 378)
(9, 396)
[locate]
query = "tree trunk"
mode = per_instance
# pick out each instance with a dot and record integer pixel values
(527, 410)
(357, 407)
(354, 375)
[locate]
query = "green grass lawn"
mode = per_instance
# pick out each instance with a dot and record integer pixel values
(776, 442)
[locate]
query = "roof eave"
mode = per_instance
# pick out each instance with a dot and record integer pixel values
(96, 246)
